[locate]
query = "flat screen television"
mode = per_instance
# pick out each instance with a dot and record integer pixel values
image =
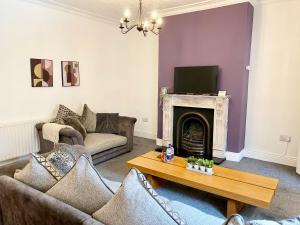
(196, 80)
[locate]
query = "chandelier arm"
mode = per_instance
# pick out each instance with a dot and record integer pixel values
(128, 29)
(145, 33)
(157, 33)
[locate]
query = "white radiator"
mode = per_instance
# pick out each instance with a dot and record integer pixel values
(18, 139)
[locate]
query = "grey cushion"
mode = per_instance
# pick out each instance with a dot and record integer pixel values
(107, 123)
(64, 156)
(294, 221)
(96, 142)
(113, 185)
(36, 175)
(89, 119)
(234, 219)
(64, 112)
(83, 187)
(76, 124)
(136, 203)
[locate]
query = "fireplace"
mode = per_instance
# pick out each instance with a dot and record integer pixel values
(213, 108)
(193, 132)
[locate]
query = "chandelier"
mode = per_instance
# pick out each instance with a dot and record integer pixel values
(141, 24)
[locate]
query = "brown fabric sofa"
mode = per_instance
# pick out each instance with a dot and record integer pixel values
(102, 147)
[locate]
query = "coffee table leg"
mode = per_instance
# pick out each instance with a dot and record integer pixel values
(233, 207)
(155, 181)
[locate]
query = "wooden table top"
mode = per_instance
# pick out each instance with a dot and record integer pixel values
(241, 186)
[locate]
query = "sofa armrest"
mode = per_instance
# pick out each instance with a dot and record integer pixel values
(66, 135)
(21, 204)
(126, 129)
(70, 136)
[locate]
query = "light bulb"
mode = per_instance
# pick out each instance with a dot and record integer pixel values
(127, 13)
(146, 24)
(159, 21)
(121, 20)
(154, 15)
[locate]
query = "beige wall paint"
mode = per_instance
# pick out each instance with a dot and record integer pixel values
(118, 72)
(274, 81)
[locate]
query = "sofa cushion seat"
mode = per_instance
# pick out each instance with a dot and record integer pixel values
(98, 142)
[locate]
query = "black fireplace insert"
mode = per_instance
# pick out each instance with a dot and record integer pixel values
(193, 132)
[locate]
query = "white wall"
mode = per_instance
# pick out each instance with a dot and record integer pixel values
(274, 85)
(118, 72)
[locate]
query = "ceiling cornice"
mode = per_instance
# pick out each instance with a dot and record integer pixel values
(203, 5)
(72, 10)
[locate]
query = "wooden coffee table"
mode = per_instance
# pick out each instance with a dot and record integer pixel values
(239, 188)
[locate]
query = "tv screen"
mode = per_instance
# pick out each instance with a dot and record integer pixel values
(196, 80)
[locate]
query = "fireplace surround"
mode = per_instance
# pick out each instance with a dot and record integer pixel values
(217, 104)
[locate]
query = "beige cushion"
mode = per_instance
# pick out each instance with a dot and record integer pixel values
(98, 142)
(82, 187)
(39, 173)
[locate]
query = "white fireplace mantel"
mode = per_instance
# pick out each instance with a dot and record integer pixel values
(217, 103)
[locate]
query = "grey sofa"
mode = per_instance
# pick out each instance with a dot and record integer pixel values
(101, 146)
(23, 205)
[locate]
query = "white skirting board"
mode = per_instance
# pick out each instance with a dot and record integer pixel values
(260, 155)
(144, 134)
(235, 157)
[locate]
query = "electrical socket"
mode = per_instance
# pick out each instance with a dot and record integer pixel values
(285, 138)
(145, 120)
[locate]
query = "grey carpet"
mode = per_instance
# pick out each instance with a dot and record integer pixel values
(286, 203)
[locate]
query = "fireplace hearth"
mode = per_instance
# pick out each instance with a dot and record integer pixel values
(193, 131)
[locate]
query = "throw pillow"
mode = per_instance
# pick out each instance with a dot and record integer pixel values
(100, 122)
(234, 219)
(62, 113)
(82, 187)
(76, 124)
(64, 156)
(136, 203)
(107, 123)
(39, 173)
(89, 119)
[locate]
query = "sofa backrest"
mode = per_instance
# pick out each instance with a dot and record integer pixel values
(21, 204)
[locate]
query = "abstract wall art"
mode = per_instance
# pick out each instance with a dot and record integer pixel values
(70, 73)
(41, 72)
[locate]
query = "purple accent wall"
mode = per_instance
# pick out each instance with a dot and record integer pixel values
(220, 36)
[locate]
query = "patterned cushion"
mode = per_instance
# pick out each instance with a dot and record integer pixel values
(235, 219)
(107, 123)
(136, 203)
(89, 119)
(39, 173)
(64, 156)
(82, 187)
(76, 124)
(62, 113)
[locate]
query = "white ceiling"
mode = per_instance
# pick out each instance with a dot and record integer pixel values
(113, 9)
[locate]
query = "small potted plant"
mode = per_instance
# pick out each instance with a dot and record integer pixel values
(202, 165)
(196, 166)
(210, 165)
(191, 161)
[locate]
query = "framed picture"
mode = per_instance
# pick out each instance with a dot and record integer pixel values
(41, 72)
(70, 73)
